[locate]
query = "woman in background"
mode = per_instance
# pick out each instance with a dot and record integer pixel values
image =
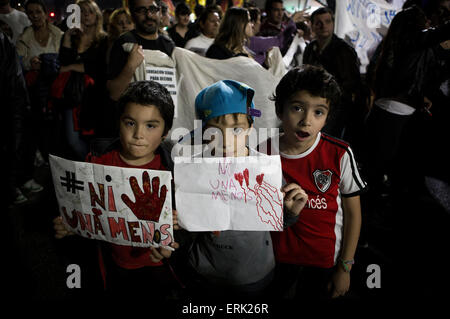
(183, 30)
(83, 52)
(234, 32)
(208, 23)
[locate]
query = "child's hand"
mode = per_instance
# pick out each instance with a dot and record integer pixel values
(339, 284)
(295, 198)
(158, 254)
(60, 228)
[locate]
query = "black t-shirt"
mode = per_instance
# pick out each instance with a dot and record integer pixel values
(118, 57)
(178, 39)
(219, 52)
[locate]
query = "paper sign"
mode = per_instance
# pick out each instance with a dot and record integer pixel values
(363, 23)
(164, 76)
(232, 193)
(124, 206)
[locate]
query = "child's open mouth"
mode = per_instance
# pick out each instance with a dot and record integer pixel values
(302, 135)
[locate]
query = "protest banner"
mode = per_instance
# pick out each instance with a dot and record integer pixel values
(364, 23)
(165, 76)
(196, 72)
(159, 67)
(231, 193)
(124, 206)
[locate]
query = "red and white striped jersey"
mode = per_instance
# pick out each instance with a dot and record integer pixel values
(327, 172)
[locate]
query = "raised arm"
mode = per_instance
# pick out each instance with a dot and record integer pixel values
(119, 83)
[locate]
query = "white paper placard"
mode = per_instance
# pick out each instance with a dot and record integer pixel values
(232, 193)
(124, 206)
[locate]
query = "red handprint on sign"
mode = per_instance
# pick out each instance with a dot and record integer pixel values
(150, 202)
(268, 201)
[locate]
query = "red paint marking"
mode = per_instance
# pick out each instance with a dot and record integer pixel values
(263, 192)
(259, 178)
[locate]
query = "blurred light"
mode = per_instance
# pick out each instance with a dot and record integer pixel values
(52, 14)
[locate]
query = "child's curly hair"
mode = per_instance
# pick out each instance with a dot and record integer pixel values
(313, 79)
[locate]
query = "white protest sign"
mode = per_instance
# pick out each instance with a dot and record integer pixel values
(232, 193)
(164, 76)
(159, 67)
(124, 206)
(364, 23)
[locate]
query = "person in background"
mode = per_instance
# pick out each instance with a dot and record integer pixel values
(166, 21)
(407, 77)
(120, 22)
(16, 19)
(234, 31)
(146, 15)
(41, 37)
(208, 23)
(255, 17)
(106, 13)
(276, 22)
(340, 59)
(38, 48)
(183, 30)
(260, 45)
(83, 53)
(6, 29)
(15, 102)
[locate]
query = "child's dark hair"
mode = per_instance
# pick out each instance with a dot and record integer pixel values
(313, 79)
(149, 93)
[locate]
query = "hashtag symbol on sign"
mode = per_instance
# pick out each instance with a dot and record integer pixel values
(71, 183)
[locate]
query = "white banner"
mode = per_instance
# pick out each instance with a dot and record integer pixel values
(363, 23)
(232, 193)
(124, 206)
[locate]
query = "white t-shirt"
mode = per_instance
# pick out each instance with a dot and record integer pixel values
(17, 20)
(28, 47)
(199, 44)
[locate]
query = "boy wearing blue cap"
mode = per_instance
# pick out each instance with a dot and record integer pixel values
(235, 263)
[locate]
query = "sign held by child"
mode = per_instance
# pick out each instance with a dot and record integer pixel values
(229, 193)
(124, 206)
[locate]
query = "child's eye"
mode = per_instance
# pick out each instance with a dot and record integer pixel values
(212, 131)
(129, 123)
(150, 126)
(237, 130)
(298, 108)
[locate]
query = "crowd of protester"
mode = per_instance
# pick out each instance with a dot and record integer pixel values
(59, 86)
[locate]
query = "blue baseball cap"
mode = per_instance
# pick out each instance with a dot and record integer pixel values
(225, 97)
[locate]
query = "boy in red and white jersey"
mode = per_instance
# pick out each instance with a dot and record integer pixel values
(317, 252)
